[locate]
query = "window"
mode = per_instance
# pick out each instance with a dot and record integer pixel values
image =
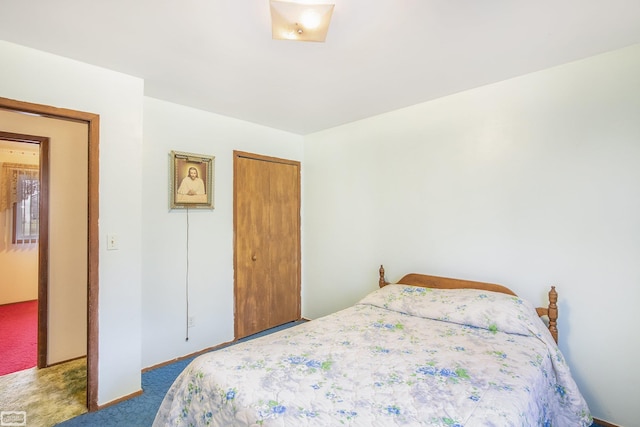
(20, 195)
(25, 209)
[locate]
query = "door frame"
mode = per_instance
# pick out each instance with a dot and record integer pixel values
(43, 238)
(93, 122)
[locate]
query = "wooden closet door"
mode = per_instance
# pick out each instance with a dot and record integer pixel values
(267, 242)
(284, 236)
(252, 298)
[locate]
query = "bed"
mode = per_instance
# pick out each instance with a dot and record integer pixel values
(425, 351)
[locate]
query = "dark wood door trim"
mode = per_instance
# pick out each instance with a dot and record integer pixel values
(93, 122)
(43, 238)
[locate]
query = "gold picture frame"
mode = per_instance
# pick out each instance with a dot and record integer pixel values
(191, 180)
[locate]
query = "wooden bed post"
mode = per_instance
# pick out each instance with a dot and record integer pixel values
(553, 313)
(381, 281)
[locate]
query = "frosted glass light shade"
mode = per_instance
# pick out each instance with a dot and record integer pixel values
(300, 21)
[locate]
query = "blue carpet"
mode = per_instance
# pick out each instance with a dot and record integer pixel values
(140, 411)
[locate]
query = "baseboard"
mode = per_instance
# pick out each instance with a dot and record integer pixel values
(159, 365)
(604, 423)
(119, 400)
(197, 353)
(178, 359)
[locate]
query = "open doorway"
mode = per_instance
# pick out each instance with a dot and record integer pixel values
(23, 218)
(21, 203)
(91, 160)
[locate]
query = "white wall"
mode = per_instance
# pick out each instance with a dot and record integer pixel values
(33, 76)
(529, 182)
(170, 127)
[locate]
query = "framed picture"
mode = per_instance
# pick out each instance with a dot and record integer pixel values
(191, 180)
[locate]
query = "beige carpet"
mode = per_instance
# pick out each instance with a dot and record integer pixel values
(47, 396)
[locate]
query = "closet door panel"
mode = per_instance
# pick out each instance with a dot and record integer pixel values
(253, 282)
(284, 234)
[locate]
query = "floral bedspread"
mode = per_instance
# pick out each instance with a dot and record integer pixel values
(402, 356)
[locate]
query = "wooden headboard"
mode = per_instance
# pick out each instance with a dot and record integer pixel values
(425, 281)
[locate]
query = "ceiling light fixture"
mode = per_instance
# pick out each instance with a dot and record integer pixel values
(300, 21)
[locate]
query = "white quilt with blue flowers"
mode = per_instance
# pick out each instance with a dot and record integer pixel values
(402, 356)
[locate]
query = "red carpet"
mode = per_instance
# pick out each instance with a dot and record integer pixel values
(18, 336)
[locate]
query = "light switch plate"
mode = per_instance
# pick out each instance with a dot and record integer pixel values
(112, 242)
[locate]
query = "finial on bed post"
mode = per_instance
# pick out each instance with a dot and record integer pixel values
(553, 313)
(381, 281)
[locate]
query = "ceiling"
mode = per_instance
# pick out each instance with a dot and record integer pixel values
(379, 55)
(21, 148)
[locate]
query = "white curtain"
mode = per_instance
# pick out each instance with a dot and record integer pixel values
(11, 192)
(9, 183)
